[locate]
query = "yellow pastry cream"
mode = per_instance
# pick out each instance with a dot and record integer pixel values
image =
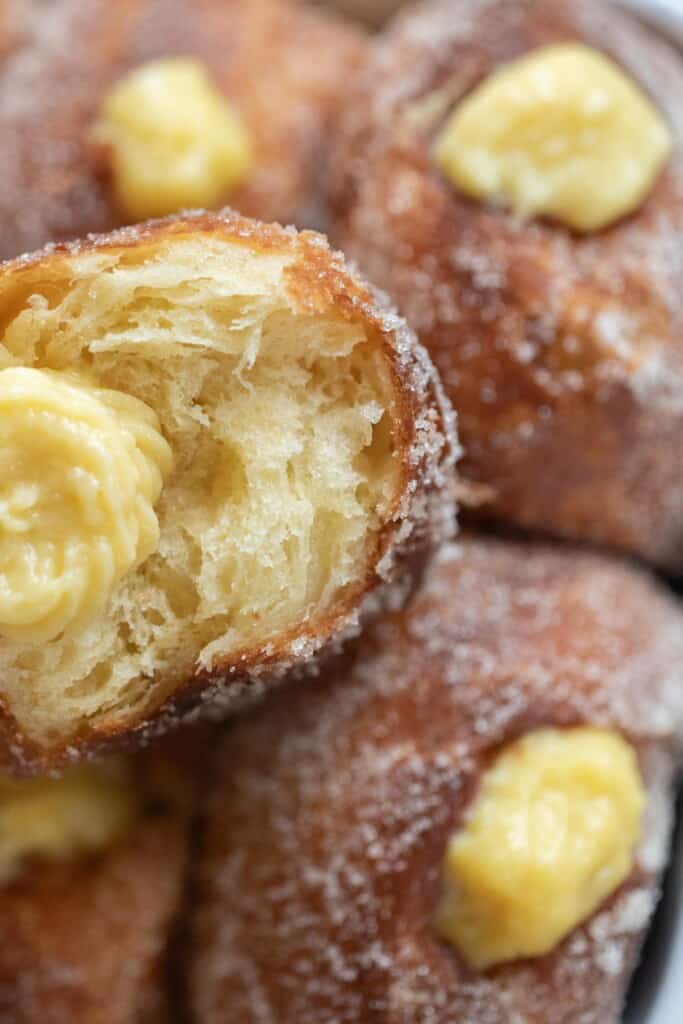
(174, 141)
(561, 132)
(551, 834)
(81, 469)
(57, 819)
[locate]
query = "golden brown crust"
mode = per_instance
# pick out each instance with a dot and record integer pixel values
(59, 67)
(420, 516)
(331, 808)
(563, 354)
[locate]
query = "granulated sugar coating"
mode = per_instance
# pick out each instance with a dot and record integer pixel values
(59, 60)
(84, 936)
(332, 805)
(562, 353)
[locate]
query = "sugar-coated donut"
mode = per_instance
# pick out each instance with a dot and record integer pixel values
(83, 944)
(562, 351)
(220, 450)
(85, 935)
(332, 808)
(59, 64)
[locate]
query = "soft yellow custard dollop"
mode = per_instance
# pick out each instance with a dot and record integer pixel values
(56, 819)
(550, 835)
(81, 469)
(175, 142)
(561, 132)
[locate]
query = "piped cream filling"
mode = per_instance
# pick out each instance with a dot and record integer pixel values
(81, 469)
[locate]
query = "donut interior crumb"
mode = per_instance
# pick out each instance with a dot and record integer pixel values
(280, 423)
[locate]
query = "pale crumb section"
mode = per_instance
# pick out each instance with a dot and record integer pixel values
(280, 426)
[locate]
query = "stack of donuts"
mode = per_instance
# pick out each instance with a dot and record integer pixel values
(341, 509)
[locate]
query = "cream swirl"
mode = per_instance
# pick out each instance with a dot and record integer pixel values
(81, 469)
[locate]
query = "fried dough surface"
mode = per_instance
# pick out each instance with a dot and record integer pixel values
(60, 62)
(331, 810)
(87, 935)
(562, 352)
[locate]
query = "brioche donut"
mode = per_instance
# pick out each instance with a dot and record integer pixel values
(85, 943)
(59, 68)
(219, 451)
(562, 349)
(85, 927)
(331, 810)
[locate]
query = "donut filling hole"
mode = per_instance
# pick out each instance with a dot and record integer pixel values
(283, 463)
(47, 820)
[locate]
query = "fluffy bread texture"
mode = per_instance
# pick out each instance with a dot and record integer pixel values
(313, 457)
(57, 69)
(563, 354)
(330, 810)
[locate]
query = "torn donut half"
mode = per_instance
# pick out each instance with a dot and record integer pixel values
(219, 450)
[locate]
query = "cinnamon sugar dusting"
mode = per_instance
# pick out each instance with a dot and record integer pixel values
(333, 805)
(561, 353)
